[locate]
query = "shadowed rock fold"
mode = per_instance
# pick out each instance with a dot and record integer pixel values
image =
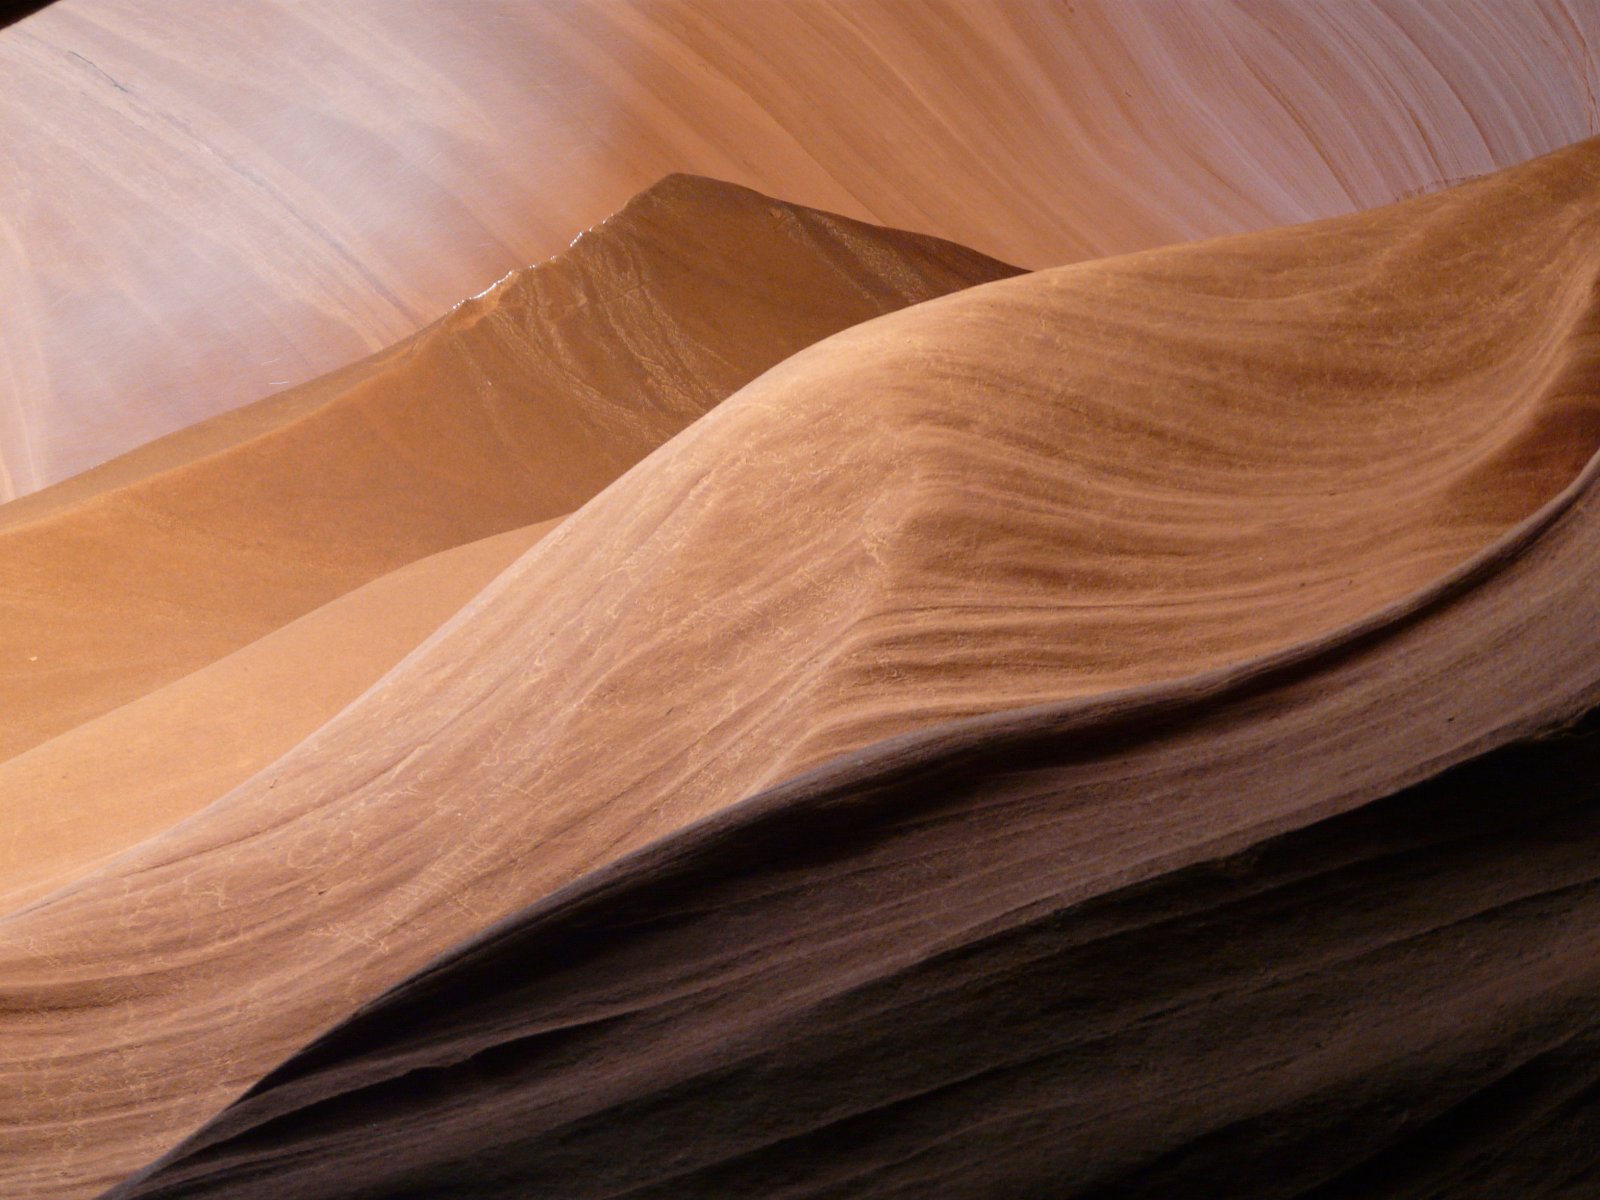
(188, 659)
(1319, 922)
(1061, 585)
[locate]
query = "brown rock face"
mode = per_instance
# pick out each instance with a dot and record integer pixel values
(516, 407)
(766, 703)
(1078, 481)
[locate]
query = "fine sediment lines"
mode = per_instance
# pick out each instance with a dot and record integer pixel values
(516, 407)
(1081, 482)
(1318, 923)
(1055, 954)
(512, 410)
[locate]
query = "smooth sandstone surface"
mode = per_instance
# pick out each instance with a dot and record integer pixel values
(520, 403)
(109, 783)
(209, 203)
(934, 590)
(514, 408)
(1078, 482)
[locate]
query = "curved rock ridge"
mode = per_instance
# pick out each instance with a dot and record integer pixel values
(193, 223)
(514, 408)
(1083, 480)
(1323, 926)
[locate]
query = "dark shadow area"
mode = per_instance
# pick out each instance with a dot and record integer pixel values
(11, 13)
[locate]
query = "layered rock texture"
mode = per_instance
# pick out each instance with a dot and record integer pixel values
(761, 702)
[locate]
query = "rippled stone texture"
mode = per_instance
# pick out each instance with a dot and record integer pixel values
(1068, 483)
(1319, 922)
(509, 412)
(519, 405)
